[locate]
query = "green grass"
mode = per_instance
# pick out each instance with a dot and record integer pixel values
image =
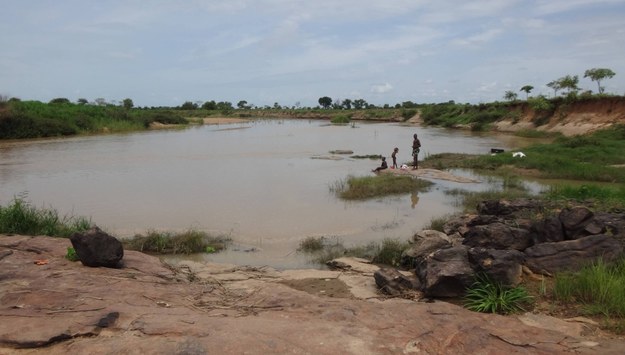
(600, 287)
(20, 217)
(71, 254)
(187, 242)
(324, 249)
(487, 296)
(33, 119)
(604, 197)
(597, 157)
(359, 188)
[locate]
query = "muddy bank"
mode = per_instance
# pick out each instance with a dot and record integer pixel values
(49, 305)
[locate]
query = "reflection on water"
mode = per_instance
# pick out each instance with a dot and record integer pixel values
(255, 182)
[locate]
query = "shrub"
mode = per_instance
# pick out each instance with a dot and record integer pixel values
(487, 296)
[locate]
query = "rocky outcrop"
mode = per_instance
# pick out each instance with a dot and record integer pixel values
(147, 307)
(571, 255)
(445, 272)
(392, 282)
(500, 246)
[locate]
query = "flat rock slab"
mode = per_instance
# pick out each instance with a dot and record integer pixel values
(147, 307)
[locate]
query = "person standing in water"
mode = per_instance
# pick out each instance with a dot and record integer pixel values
(416, 147)
(394, 156)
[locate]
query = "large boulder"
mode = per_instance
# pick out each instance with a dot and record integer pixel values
(571, 255)
(96, 248)
(575, 220)
(446, 272)
(548, 230)
(422, 244)
(498, 236)
(502, 266)
(394, 283)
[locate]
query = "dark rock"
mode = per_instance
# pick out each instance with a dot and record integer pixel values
(498, 236)
(548, 230)
(484, 220)
(394, 283)
(571, 255)
(458, 224)
(445, 273)
(108, 320)
(96, 248)
(422, 244)
(502, 266)
(613, 222)
(505, 207)
(574, 221)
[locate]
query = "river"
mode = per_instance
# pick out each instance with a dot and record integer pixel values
(259, 182)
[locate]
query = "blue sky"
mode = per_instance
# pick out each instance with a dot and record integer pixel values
(165, 52)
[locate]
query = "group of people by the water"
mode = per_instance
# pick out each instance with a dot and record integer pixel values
(416, 148)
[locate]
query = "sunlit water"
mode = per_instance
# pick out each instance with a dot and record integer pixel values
(257, 182)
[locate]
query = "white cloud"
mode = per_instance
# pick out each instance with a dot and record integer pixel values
(381, 88)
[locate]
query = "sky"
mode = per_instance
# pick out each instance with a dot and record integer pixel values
(166, 52)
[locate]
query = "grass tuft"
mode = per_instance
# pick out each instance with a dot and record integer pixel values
(487, 296)
(188, 242)
(360, 188)
(21, 217)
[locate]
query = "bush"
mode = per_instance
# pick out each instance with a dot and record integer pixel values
(487, 296)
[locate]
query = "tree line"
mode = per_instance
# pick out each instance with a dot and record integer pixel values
(570, 83)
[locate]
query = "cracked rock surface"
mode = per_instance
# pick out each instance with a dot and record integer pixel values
(147, 307)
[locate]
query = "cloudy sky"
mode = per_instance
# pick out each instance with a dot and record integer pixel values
(165, 52)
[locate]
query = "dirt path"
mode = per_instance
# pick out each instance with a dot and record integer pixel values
(62, 307)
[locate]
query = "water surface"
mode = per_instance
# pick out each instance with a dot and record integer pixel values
(256, 182)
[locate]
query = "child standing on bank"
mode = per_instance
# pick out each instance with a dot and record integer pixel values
(394, 156)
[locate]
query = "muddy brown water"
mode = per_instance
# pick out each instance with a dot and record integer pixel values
(262, 182)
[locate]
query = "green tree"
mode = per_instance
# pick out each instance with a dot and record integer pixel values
(242, 104)
(82, 101)
(325, 102)
(128, 104)
(347, 104)
(59, 100)
(188, 105)
(555, 85)
(359, 104)
(598, 74)
(569, 82)
(510, 95)
(210, 105)
(527, 89)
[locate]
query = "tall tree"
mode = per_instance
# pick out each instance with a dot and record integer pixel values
(325, 102)
(359, 104)
(598, 74)
(510, 95)
(242, 104)
(569, 82)
(527, 89)
(555, 85)
(128, 104)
